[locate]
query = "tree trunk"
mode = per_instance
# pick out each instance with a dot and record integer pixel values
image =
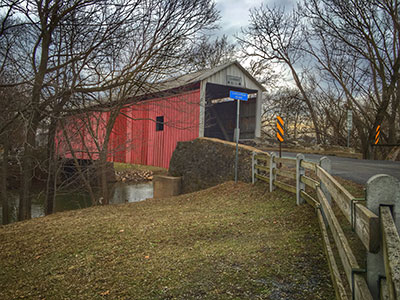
(104, 153)
(81, 174)
(103, 175)
(4, 175)
(51, 171)
(25, 199)
(366, 150)
(393, 126)
(310, 107)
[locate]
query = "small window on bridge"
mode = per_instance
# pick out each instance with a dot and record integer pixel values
(160, 123)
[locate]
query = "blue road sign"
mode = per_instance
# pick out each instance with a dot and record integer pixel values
(238, 95)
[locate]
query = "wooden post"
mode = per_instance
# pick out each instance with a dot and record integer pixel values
(300, 186)
(253, 168)
(325, 163)
(382, 190)
(272, 172)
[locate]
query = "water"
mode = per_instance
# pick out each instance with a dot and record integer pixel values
(122, 193)
(131, 192)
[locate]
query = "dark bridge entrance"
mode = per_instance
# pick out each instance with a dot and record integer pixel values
(220, 119)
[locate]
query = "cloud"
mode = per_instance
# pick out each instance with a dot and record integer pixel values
(235, 14)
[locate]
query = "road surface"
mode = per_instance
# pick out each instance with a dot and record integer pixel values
(357, 170)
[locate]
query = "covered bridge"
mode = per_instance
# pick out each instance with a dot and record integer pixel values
(184, 108)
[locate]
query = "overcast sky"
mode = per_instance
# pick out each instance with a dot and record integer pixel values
(235, 13)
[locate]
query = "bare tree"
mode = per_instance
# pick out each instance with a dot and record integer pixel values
(275, 36)
(160, 49)
(10, 139)
(207, 53)
(38, 60)
(288, 104)
(357, 44)
(352, 47)
(94, 49)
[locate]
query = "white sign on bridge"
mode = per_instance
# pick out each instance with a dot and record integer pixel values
(349, 119)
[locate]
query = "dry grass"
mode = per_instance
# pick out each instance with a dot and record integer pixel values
(326, 151)
(227, 242)
(355, 243)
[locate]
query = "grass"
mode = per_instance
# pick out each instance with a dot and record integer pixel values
(355, 243)
(327, 151)
(227, 242)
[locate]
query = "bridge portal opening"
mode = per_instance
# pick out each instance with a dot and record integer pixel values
(220, 114)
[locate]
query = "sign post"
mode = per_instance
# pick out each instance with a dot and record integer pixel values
(349, 125)
(378, 132)
(239, 97)
(280, 134)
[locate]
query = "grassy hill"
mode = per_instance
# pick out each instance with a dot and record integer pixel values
(227, 242)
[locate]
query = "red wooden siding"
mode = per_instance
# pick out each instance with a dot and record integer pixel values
(181, 123)
(134, 138)
(118, 138)
(85, 133)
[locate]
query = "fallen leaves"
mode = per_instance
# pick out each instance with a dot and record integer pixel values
(133, 175)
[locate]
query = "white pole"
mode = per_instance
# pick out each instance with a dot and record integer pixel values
(237, 140)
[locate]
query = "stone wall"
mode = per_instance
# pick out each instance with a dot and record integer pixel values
(206, 162)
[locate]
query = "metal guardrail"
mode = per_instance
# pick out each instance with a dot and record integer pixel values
(370, 218)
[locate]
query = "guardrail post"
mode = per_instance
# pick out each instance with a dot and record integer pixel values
(300, 186)
(382, 190)
(272, 172)
(325, 163)
(253, 168)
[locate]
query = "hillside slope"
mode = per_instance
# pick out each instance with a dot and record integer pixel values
(227, 242)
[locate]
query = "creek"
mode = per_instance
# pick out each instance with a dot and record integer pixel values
(121, 193)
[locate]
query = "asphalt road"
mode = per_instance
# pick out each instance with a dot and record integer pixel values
(357, 170)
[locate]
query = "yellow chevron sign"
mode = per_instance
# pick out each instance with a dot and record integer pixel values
(279, 127)
(378, 132)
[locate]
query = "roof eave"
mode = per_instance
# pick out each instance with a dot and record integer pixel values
(224, 66)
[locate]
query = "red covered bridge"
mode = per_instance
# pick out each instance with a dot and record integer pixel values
(187, 107)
